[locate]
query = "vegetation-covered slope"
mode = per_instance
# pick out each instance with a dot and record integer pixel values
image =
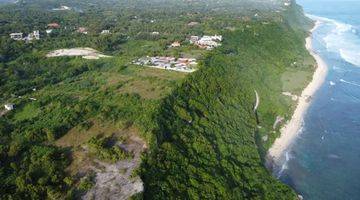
(204, 138)
(207, 143)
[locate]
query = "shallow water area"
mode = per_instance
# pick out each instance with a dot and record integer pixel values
(323, 162)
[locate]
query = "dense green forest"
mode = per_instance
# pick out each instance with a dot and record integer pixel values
(206, 145)
(204, 140)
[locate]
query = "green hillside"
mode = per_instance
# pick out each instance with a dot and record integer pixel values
(181, 135)
(207, 144)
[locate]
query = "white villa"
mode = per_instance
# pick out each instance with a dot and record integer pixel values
(16, 36)
(194, 39)
(9, 106)
(34, 35)
(207, 42)
(105, 32)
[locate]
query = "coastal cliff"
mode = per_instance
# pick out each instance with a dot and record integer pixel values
(96, 104)
(209, 142)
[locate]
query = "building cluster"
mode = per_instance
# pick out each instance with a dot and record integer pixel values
(35, 35)
(169, 63)
(206, 42)
(49, 29)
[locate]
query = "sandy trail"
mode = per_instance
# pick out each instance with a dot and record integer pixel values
(291, 129)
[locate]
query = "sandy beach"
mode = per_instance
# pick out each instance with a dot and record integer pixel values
(292, 128)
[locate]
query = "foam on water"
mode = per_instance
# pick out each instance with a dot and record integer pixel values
(348, 82)
(343, 39)
(286, 157)
(284, 166)
(326, 158)
(351, 56)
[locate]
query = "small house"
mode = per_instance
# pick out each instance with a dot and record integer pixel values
(105, 32)
(53, 25)
(9, 106)
(36, 34)
(82, 30)
(194, 39)
(193, 23)
(33, 35)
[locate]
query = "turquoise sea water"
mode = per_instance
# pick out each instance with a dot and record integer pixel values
(324, 161)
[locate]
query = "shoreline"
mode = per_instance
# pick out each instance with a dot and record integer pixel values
(293, 127)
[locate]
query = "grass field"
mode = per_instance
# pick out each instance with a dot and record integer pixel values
(29, 111)
(294, 80)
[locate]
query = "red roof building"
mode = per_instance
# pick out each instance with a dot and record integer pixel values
(53, 25)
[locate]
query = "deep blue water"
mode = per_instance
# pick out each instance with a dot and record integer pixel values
(325, 159)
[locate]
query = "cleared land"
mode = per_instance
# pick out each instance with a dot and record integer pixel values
(86, 53)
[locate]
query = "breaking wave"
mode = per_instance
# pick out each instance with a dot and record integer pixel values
(284, 166)
(350, 83)
(342, 39)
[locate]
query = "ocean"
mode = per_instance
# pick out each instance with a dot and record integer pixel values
(324, 161)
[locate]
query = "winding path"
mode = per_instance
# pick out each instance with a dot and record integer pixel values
(257, 101)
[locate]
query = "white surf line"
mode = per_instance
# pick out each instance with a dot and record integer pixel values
(284, 165)
(293, 127)
(350, 83)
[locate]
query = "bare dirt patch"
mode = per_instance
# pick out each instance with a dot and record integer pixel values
(117, 181)
(86, 53)
(112, 180)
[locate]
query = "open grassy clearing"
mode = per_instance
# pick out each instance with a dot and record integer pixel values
(29, 111)
(294, 80)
